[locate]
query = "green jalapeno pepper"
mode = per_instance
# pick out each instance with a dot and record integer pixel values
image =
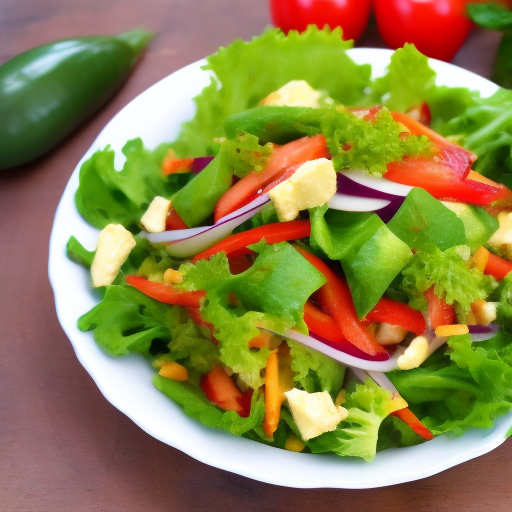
(47, 92)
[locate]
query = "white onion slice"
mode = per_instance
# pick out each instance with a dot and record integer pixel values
(342, 357)
(188, 242)
(383, 381)
(356, 204)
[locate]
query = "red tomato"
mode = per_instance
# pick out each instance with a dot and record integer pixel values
(438, 28)
(351, 15)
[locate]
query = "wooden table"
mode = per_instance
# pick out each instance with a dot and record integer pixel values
(63, 447)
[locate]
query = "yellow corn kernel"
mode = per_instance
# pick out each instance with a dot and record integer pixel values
(294, 444)
(340, 399)
(480, 258)
(173, 370)
(452, 330)
(172, 276)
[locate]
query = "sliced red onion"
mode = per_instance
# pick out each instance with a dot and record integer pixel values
(321, 345)
(483, 332)
(359, 192)
(187, 242)
(200, 163)
(382, 188)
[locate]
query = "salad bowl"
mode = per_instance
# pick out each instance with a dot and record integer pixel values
(156, 116)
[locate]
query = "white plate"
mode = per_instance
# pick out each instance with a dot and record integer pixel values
(155, 116)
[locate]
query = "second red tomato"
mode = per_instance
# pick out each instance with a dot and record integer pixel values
(438, 28)
(351, 15)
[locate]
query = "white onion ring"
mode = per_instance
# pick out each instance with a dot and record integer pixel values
(188, 242)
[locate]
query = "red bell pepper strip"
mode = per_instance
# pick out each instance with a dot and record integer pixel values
(407, 416)
(335, 299)
(240, 263)
(497, 267)
(445, 177)
(398, 313)
(272, 233)
(439, 312)
(223, 392)
(166, 293)
(174, 221)
(417, 128)
(289, 155)
(323, 325)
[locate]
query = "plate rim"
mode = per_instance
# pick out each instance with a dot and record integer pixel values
(488, 439)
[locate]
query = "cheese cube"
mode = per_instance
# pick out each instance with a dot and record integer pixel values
(414, 354)
(484, 312)
(504, 234)
(114, 246)
(389, 334)
(312, 184)
(156, 215)
(297, 93)
(314, 413)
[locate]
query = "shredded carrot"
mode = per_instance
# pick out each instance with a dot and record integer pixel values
(172, 164)
(273, 396)
(407, 416)
(278, 380)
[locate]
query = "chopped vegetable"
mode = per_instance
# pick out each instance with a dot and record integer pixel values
(77, 76)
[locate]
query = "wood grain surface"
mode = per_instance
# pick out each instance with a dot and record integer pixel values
(63, 447)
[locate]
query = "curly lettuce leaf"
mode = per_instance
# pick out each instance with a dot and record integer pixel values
(314, 371)
(106, 196)
(357, 435)
(191, 344)
(355, 143)
(247, 72)
(450, 276)
(244, 154)
(195, 404)
(127, 321)
(272, 294)
(468, 386)
(409, 80)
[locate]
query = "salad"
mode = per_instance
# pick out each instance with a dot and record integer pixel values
(320, 261)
